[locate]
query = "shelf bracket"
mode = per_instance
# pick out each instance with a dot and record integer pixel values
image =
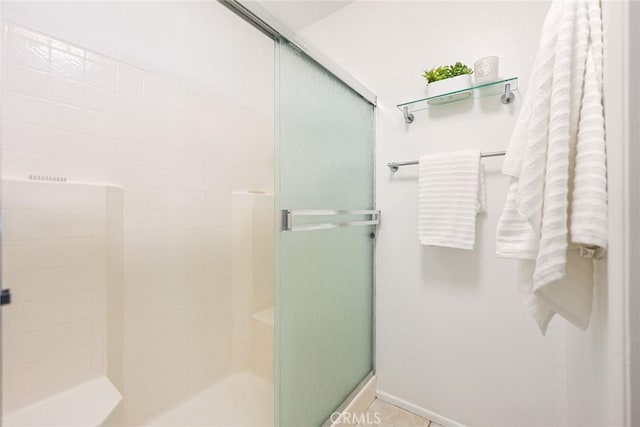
(508, 96)
(408, 117)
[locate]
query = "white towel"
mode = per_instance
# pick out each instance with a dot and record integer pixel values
(556, 157)
(450, 194)
(589, 221)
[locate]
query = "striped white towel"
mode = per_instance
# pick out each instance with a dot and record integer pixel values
(450, 194)
(589, 220)
(557, 201)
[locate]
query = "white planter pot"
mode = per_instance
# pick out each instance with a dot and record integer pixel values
(447, 86)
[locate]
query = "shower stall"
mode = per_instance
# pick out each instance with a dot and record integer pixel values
(178, 250)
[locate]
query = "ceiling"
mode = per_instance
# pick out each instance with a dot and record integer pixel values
(300, 14)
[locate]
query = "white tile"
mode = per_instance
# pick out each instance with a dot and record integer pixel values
(187, 200)
(69, 252)
(241, 202)
(23, 137)
(67, 65)
(66, 154)
(128, 129)
(27, 81)
(175, 98)
(98, 124)
(72, 280)
(65, 117)
(72, 307)
(196, 313)
(14, 380)
(40, 377)
(72, 367)
(178, 241)
(136, 177)
(177, 320)
(74, 224)
(71, 336)
(13, 352)
(176, 220)
(196, 219)
(114, 197)
(196, 332)
(98, 57)
(155, 365)
(154, 98)
(130, 92)
(100, 73)
(25, 195)
(30, 285)
(27, 225)
(30, 255)
(141, 155)
(175, 139)
(144, 199)
(175, 160)
(198, 143)
(132, 380)
(132, 354)
(67, 91)
(27, 33)
(99, 346)
(66, 47)
(28, 52)
(130, 80)
(76, 196)
(27, 348)
(38, 315)
(100, 100)
(27, 109)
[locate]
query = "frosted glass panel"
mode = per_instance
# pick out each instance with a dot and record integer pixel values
(324, 291)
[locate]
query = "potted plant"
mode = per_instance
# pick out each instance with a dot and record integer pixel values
(447, 79)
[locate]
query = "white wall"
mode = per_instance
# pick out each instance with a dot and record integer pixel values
(597, 359)
(199, 42)
(453, 337)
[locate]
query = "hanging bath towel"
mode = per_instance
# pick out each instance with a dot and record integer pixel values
(556, 209)
(450, 194)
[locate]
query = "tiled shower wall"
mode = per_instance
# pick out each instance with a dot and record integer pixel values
(252, 270)
(54, 256)
(178, 152)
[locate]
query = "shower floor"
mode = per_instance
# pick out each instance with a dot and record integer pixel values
(241, 399)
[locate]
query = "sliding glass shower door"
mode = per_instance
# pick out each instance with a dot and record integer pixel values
(325, 201)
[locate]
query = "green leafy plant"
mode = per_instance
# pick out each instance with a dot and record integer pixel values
(446, 72)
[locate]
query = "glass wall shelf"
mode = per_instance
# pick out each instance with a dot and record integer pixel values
(504, 87)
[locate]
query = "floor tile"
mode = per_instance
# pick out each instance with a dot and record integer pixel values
(383, 414)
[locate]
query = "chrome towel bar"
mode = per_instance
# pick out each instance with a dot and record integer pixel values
(394, 166)
(287, 215)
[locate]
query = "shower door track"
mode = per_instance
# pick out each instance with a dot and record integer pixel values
(266, 22)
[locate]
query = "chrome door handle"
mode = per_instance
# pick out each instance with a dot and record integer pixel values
(287, 215)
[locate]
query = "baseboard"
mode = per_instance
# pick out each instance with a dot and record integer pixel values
(352, 414)
(418, 410)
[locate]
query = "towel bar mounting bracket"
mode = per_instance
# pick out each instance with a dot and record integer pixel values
(408, 117)
(508, 97)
